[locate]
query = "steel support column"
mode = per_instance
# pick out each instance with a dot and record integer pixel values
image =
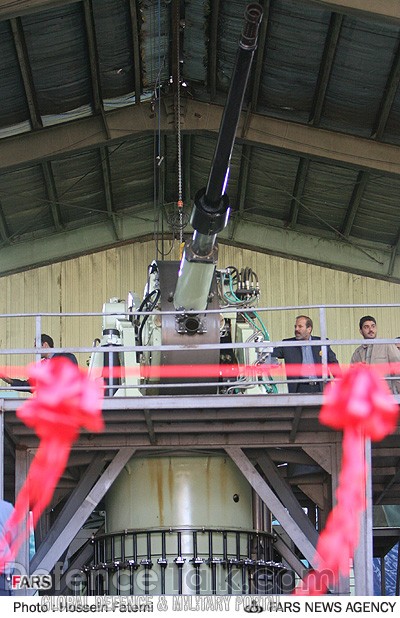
(363, 559)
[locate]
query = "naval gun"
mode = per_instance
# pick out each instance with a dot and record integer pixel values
(211, 205)
(183, 292)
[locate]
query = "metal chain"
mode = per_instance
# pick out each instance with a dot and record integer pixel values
(178, 128)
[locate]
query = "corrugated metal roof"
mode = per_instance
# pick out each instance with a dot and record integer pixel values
(89, 133)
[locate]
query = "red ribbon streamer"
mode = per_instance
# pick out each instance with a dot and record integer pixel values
(361, 405)
(64, 400)
(292, 370)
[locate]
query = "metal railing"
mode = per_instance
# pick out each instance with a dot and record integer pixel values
(186, 561)
(138, 379)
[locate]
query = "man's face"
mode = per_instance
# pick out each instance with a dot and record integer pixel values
(368, 330)
(44, 345)
(301, 331)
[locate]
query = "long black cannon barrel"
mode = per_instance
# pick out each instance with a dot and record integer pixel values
(211, 205)
(233, 106)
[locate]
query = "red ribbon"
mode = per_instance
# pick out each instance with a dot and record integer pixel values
(64, 400)
(361, 405)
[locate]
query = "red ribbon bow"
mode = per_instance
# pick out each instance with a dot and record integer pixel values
(360, 404)
(64, 400)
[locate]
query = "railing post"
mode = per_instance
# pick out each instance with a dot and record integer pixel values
(324, 349)
(38, 335)
(363, 558)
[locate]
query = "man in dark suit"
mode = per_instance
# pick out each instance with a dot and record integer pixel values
(46, 342)
(308, 355)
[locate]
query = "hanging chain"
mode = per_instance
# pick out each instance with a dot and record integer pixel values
(178, 127)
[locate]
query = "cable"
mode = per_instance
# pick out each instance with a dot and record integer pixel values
(178, 125)
(149, 309)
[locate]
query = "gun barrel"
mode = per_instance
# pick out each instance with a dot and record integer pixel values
(218, 177)
(211, 205)
(252, 20)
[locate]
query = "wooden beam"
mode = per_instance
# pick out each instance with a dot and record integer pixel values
(137, 120)
(213, 49)
(26, 73)
(298, 190)
(325, 70)
(93, 56)
(355, 201)
(4, 231)
(106, 172)
(8, 10)
(136, 48)
(388, 98)
(382, 9)
(52, 195)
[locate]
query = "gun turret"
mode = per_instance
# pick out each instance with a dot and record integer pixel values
(193, 279)
(211, 205)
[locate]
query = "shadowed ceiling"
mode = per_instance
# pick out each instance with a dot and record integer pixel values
(110, 112)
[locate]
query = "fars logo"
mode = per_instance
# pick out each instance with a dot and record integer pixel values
(39, 582)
